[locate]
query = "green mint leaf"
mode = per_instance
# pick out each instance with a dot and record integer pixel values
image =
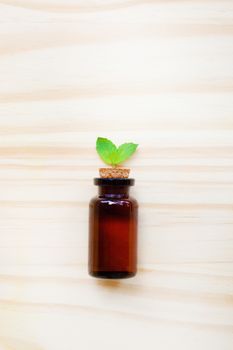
(124, 151)
(106, 150)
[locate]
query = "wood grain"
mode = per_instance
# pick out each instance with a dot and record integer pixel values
(155, 72)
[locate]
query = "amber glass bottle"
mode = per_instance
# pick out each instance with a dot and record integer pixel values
(113, 230)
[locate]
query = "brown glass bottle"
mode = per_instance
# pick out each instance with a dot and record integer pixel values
(113, 230)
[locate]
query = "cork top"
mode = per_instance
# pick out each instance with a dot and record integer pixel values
(114, 173)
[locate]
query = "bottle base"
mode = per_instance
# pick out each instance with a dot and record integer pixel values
(112, 274)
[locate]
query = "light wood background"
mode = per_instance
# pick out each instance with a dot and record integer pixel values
(159, 73)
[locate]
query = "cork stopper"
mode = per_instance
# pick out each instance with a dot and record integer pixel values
(114, 173)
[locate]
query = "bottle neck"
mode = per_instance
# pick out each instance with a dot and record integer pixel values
(114, 191)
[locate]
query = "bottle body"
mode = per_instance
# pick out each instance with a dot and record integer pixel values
(113, 231)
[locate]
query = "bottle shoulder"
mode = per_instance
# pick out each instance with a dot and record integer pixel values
(97, 200)
(93, 201)
(133, 201)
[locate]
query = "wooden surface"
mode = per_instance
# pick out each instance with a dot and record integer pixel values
(159, 73)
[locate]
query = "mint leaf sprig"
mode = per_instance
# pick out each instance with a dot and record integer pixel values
(113, 155)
